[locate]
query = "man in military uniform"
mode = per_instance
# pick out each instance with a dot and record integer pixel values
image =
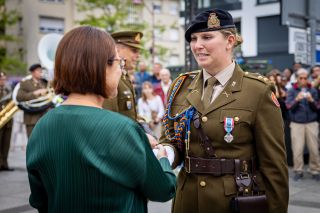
(128, 46)
(31, 89)
(5, 131)
(225, 125)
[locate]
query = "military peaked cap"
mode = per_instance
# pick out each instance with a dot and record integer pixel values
(210, 20)
(129, 38)
(34, 67)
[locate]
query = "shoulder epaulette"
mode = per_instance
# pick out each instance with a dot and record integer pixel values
(258, 77)
(192, 73)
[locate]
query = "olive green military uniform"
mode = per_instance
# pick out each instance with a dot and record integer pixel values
(124, 103)
(5, 131)
(25, 93)
(258, 131)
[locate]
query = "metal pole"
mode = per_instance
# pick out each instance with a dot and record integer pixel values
(312, 22)
(190, 11)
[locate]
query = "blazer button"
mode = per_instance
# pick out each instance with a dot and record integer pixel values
(202, 183)
(236, 119)
(204, 119)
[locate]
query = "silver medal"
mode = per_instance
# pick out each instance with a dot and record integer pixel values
(228, 138)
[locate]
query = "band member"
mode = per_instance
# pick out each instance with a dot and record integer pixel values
(31, 89)
(5, 131)
(128, 46)
(226, 126)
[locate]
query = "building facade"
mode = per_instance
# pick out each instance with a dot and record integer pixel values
(40, 17)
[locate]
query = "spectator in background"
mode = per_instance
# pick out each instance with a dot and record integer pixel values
(295, 67)
(287, 73)
(140, 77)
(150, 107)
(315, 76)
(163, 88)
(155, 78)
(302, 102)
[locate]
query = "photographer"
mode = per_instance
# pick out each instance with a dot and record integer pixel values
(302, 102)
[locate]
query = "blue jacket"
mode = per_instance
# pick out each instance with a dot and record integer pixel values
(302, 111)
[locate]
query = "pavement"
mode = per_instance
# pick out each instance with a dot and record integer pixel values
(14, 188)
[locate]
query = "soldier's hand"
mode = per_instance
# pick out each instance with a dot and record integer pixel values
(153, 142)
(40, 92)
(162, 151)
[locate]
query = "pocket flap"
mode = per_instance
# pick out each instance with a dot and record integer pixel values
(238, 115)
(229, 185)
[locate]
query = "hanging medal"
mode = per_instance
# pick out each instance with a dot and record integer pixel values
(228, 127)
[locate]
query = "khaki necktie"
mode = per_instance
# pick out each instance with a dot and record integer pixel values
(208, 91)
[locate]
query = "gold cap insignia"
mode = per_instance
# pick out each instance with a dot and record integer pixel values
(138, 37)
(213, 21)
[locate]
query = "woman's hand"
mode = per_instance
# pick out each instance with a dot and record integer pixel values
(153, 142)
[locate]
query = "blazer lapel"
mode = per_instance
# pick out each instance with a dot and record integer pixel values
(227, 96)
(195, 92)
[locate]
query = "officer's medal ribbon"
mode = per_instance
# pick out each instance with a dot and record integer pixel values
(228, 127)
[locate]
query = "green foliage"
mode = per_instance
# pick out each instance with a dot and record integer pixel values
(113, 15)
(10, 63)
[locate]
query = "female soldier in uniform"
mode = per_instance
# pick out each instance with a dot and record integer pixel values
(225, 126)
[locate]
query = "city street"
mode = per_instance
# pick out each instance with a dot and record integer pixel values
(14, 188)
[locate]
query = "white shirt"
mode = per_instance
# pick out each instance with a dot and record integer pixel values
(145, 108)
(165, 87)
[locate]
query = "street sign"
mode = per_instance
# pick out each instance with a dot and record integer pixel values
(298, 45)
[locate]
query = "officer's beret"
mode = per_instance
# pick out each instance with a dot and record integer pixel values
(210, 20)
(34, 67)
(129, 38)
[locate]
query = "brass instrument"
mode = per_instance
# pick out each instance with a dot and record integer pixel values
(7, 113)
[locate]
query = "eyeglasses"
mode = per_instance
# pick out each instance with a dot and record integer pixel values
(122, 62)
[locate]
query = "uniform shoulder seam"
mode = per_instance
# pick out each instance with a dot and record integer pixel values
(257, 77)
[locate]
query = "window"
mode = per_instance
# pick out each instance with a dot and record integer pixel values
(174, 34)
(51, 25)
(266, 1)
(156, 8)
(157, 33)
(54, 1)
(173, 9)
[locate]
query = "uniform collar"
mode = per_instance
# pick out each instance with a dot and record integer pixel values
(223, 76)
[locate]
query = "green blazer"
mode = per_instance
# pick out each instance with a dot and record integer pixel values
(86, 159)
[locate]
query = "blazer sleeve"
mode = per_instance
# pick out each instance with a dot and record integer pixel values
(271, 153)
(38, 198)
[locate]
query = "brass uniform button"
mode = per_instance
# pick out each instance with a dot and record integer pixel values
(236, 119)
(202, 183)
(260, 77)
(204, 119)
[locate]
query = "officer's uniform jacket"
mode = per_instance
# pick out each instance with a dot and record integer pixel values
(25, 93)
(258, 131)
(4, 92)
(124, 103)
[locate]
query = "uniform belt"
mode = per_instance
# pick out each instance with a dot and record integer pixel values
(215, 167)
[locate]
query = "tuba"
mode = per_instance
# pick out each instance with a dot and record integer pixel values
(46, 52)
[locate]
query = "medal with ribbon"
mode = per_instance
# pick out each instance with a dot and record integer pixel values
(228, 127)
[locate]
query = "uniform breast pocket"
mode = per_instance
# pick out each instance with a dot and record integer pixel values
(125, 100)
(241, 132)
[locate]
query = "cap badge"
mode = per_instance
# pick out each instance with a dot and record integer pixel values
(213, 21)
(137, 38)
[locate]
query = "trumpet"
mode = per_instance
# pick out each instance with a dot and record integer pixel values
(7, 113)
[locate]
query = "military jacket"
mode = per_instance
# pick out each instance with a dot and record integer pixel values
(25, 93)
(258, 132)
(124, 103)
(5, 98)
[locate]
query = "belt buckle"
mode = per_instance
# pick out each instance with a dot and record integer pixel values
(187, 167)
